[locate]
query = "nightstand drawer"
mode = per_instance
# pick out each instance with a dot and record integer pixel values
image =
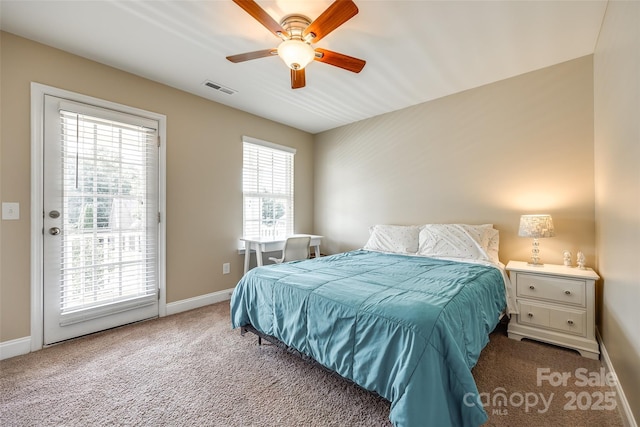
(570, 321)
(550, 288)
(565, 320)
(533, 315)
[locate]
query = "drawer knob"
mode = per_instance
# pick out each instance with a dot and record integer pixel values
(532, 287)
(570, 322)
(567, 292)
(530, 314)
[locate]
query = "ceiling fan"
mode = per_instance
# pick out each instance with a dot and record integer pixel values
(297, 33)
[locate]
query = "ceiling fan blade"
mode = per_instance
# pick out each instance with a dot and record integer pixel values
(340, 60)
(297, 79)
(335, 15)
(260, 15)
(252, 55)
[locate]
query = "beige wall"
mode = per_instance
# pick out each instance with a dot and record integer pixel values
(487, 155)
(617, 172)
(204, 172)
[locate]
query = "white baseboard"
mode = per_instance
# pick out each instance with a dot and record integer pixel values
(625, 408)
(15, 347)
(199, 301)
(21, 346)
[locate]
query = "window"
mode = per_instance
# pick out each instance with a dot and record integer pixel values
(109, 201)
(267, 189)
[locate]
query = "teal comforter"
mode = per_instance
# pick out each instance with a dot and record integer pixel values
(408, 328)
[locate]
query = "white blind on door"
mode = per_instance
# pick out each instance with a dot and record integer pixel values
(109, 259)
(267, 188)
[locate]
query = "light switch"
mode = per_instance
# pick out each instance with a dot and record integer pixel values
(10, 210)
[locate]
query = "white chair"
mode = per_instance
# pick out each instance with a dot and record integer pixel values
(295, 248)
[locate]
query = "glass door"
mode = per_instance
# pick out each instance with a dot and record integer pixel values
(100, 219)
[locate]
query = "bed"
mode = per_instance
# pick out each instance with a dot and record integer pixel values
(392, 317)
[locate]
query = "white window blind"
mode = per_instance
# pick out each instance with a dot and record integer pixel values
(267, 188)
(109, 253)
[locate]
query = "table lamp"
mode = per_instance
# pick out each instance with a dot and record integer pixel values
(536, 226)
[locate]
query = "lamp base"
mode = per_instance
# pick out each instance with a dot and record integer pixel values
(535, 254)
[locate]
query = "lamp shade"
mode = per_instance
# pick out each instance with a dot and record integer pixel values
(536, 226)
(296, 53)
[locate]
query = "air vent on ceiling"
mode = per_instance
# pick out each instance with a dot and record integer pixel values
(219, 87)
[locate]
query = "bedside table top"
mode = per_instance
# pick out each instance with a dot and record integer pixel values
(553, 269)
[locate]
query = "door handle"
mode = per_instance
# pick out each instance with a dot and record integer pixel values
(54, 231)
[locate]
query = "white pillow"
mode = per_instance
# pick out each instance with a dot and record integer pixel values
(401, 239)
(456, 241)
(493, 245)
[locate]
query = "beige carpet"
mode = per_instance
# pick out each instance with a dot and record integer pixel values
(191, 369)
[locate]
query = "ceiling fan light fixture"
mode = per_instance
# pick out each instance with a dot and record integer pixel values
(296, 53)
(298, 32)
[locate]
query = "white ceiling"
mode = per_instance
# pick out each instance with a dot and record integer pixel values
(416, 51)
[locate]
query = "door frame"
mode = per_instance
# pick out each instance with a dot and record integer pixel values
(38, 92)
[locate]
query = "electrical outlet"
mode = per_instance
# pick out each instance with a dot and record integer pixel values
(226, 268)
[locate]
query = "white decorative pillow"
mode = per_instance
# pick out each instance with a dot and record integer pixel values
(455, 241)
(401, 239)
(493, 245)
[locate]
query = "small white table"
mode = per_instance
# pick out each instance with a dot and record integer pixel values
(262, 245)
(556, 304)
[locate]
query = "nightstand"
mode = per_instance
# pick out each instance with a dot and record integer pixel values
(556, 305)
